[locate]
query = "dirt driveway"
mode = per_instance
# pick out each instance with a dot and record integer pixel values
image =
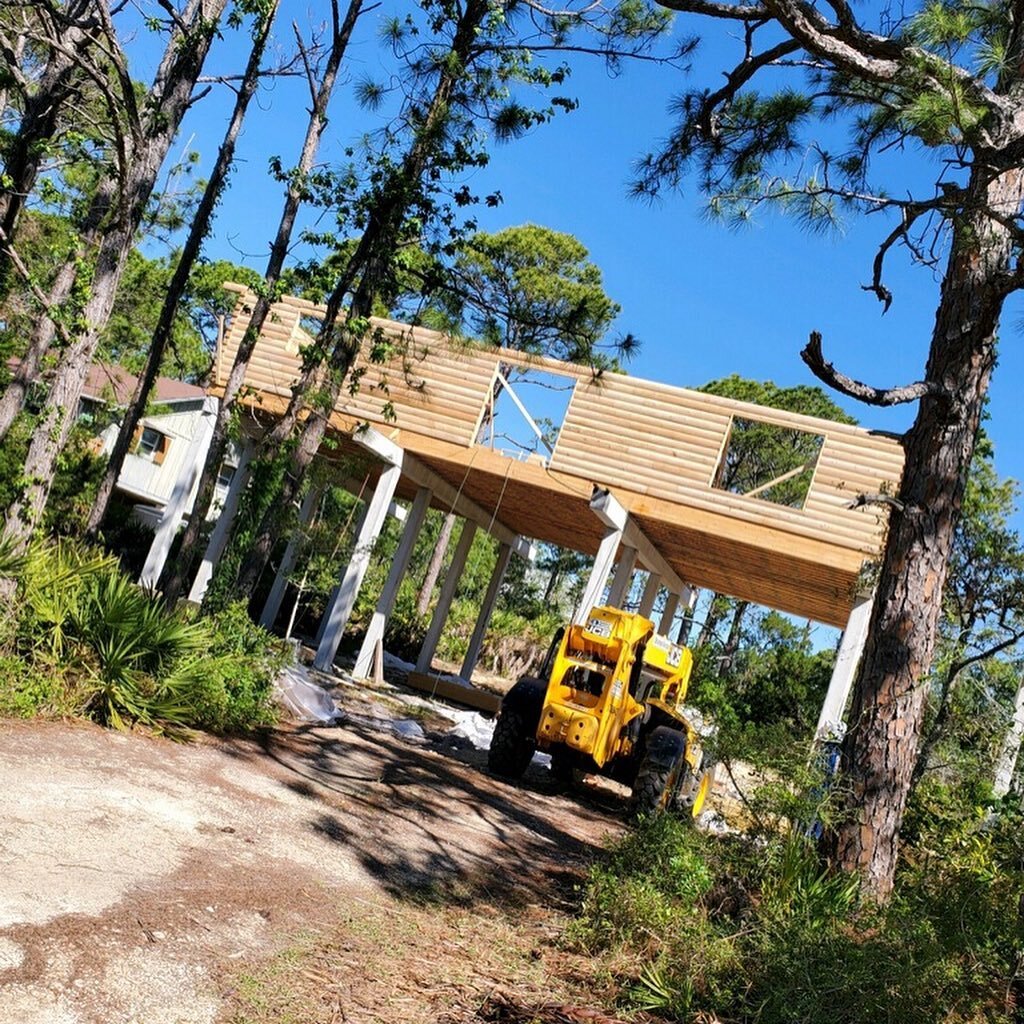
(324, 874)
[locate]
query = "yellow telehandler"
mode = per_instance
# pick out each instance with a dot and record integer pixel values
(608, 700)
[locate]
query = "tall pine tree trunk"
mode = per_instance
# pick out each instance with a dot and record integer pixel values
(179, 573)
(169, 99)
(179, 280)
(375, 250)
(885, 719)
(38, 124)
(444, 538)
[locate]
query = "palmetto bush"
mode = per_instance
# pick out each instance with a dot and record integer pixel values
(120, 654)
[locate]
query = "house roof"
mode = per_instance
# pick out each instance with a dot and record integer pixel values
(108, 382)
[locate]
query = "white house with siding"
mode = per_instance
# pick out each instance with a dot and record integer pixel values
(163, 440)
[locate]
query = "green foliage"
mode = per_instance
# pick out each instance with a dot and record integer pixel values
(89, 640)
(245, 660)
(529, 288)
(752, 929)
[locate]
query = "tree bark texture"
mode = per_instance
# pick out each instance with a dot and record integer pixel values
(444, 538)
(179, 280)
(337, 340)
(169, 99)
(38, 125)
(1009, 751)
(178, 574)
(885, 720)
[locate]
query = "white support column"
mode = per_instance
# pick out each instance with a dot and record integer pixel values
(650, 594)
(340, 608)
(603, 562)
(219, 537)
(291, 555)
(618, 592)
(483, 619)
(851, 647)
(181, 495)
(447, 595)
(399, 565)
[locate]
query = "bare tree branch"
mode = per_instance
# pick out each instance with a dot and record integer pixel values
(736, 12)
(828, 374)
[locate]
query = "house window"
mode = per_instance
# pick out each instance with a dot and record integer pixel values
(225, 476)
(152, 445)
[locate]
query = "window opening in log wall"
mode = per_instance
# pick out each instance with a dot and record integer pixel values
(527, 409)
(769, 462)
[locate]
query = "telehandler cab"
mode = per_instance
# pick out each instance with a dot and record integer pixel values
(608, 700)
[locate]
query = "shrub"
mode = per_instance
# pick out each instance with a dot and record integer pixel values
(89, 638)
(239, 675)
(753, 928)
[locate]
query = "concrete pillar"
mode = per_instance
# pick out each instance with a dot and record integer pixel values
(650, 594)
(618, 592)
(399, 565)
(219, 538)
(484, 618)
(181, 495)
(603, 562)
(851, 647)
(447, 595)
(291, 555)
(340, 609)
(668, 613)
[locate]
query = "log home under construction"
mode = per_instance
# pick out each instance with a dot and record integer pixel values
(637, 476)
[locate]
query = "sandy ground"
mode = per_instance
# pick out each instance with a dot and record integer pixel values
(149, 882)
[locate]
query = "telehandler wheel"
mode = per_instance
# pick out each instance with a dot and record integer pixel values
(661, 773)
(512, 744)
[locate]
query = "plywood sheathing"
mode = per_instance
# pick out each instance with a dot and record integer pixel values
(655, 446)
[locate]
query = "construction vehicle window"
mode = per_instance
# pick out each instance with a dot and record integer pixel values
(769, 462)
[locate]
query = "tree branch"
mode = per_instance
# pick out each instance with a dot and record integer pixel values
(828, 374)
(736, 79)
(37, 293)
(736, 12)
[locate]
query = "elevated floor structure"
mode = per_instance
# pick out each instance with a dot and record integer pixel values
(638, 475)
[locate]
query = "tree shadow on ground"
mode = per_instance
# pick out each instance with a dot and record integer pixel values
(432, 827)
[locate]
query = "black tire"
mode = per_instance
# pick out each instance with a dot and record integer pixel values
(659, 777)
(512, 744)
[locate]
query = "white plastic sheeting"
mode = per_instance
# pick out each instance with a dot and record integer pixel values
(302, 698)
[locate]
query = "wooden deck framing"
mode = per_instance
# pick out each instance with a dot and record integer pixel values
(657, 448)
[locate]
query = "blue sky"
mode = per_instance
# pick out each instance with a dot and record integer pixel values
(704, 300)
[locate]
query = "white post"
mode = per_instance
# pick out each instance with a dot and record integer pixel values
(851, 647)
(480, 629)
(1006, 765)
(650, 594)
(447, 595)
(603, 562)
(399, 565)
(219, 538)
(668, 613)
(340, 608)
(291, 555)
(618, 592)
(181, 495)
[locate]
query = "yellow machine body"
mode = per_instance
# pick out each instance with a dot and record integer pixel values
(596, 688)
